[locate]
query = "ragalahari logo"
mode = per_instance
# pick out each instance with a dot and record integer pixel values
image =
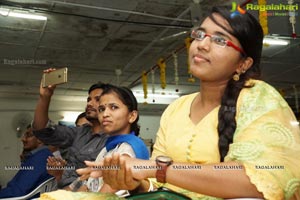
(237, 9)
(277, 9)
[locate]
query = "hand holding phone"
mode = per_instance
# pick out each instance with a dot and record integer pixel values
(55, 77)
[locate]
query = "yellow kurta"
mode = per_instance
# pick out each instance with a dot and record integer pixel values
(266, 140)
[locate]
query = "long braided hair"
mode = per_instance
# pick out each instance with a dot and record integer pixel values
(250, 35)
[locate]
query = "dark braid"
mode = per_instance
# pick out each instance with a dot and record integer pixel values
(226, 115)
(250, 35)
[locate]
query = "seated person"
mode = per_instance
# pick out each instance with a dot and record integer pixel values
(234, 138)
(83, 143)
(118, 115)
(56, 163)
(23, 155)
(81, 120)
(32, 170)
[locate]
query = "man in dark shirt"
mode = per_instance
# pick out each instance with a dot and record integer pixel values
(84, 143)
(32, 171)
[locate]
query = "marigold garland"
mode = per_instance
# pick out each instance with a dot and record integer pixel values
(162, 66)
(153, 83)
(263, 18)
(188, 42)
(144, 81)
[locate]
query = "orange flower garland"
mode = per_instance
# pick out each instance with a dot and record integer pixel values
(263, 18)
(162, 66)
(144, 81)
(188, 42)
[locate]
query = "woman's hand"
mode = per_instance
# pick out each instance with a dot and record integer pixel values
(121, 177)
(85, 173)
(120, 172)
(128, 175)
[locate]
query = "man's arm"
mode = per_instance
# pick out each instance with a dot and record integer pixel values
(41, 117)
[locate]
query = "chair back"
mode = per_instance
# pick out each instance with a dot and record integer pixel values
(46, 186)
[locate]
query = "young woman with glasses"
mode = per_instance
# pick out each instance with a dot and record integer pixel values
(234, 138)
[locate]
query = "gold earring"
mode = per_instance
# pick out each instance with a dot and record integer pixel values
(236, 77)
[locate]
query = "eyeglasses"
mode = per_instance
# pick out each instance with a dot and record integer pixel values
(218, 40)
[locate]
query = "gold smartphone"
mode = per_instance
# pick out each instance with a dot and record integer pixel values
(56, 77)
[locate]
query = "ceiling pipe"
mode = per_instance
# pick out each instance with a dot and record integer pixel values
(123, 11)
(40, 38)
(174, 20)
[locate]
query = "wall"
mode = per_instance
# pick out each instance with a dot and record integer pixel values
(149, 126)
(11, 146)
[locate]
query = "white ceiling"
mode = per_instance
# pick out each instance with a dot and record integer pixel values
(94, 38)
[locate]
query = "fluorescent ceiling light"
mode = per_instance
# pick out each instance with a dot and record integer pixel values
(4, 11)
(27, 16)
(21, 14)
(275, 41)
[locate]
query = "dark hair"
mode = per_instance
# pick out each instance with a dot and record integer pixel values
(127, 97)
(98, 85)
(81, 115)
(250, 35)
